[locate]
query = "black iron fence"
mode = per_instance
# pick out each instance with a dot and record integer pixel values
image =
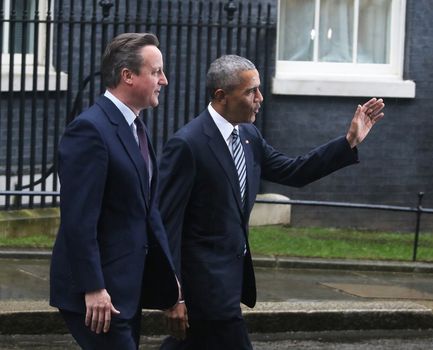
(50, 54)
(419, 210)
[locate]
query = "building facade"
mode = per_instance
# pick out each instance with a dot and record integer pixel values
(317, 63)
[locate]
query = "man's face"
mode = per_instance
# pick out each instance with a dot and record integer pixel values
(147, 84)
(242, 103)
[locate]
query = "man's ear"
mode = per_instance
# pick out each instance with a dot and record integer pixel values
(126, 76)
(220, 96)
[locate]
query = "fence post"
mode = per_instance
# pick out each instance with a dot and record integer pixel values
(230, 8)
(106, 7)
(418, 221)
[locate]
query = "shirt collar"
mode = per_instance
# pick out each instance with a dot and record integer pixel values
(225, 127)
(124, 109)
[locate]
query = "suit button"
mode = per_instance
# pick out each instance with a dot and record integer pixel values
(238, 256)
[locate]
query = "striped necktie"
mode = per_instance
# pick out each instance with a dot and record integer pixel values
(239, 159)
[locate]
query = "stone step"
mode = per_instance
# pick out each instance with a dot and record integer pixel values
(37, 317)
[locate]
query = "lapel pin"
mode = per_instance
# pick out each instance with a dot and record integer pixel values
(246, 141)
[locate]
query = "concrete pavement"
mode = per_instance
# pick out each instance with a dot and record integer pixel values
(293, 295)
(328, 340)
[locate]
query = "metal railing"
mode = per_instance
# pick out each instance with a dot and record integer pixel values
(418, 210)
(51, 54)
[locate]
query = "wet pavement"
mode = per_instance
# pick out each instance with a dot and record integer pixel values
(342, 340)
(27, 279)
(24, 279)
(328, 290)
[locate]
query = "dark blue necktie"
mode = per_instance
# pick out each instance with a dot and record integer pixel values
(142, 141)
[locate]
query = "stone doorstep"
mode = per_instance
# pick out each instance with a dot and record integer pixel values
(25, 317)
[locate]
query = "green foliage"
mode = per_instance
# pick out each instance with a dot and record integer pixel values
(338, 243)
(316, 242)
(34, 241)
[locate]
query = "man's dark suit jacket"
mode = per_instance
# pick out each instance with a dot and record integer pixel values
(205, 220)
(111, 229)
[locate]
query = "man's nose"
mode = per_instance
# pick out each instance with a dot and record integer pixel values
(163, 80)
(259, 96)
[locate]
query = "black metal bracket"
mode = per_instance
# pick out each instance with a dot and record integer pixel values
(106, 7)
(230, 8)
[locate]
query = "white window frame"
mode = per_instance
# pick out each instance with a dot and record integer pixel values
(348, 79)
(29, 67)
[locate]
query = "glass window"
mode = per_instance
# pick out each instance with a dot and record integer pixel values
(23, 25)
(335, 30)
(374, 31)
(296, 30)
(17, 14)
(338, 43)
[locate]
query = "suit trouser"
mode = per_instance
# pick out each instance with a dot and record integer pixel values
(212, 335)
(123, 334)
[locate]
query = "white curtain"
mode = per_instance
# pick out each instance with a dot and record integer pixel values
(295, 30)
(335, 34)
(336, 31)
(374, 31)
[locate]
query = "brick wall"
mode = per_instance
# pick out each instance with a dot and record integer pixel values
(396, 158)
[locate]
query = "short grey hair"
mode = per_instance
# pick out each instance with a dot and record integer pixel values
(224, 72)
(124, 52)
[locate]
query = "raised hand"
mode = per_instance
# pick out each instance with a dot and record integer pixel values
(363, 120)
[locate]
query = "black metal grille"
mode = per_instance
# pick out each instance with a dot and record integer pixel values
(59, 76)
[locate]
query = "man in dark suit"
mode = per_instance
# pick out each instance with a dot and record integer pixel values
(209, 182)
(111, 255)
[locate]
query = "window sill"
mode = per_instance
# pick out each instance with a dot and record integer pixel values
(343, 86)
(42, 76)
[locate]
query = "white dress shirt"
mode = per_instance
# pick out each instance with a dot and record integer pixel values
(225, 127)
(129, 116)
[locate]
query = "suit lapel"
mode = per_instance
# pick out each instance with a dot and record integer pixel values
(154, 167)
(127, 139)
(219, 148)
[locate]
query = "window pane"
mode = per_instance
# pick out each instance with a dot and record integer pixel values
(20, 6)
(29, 7)
(336, 31)
(374, 31)
(296, 30)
